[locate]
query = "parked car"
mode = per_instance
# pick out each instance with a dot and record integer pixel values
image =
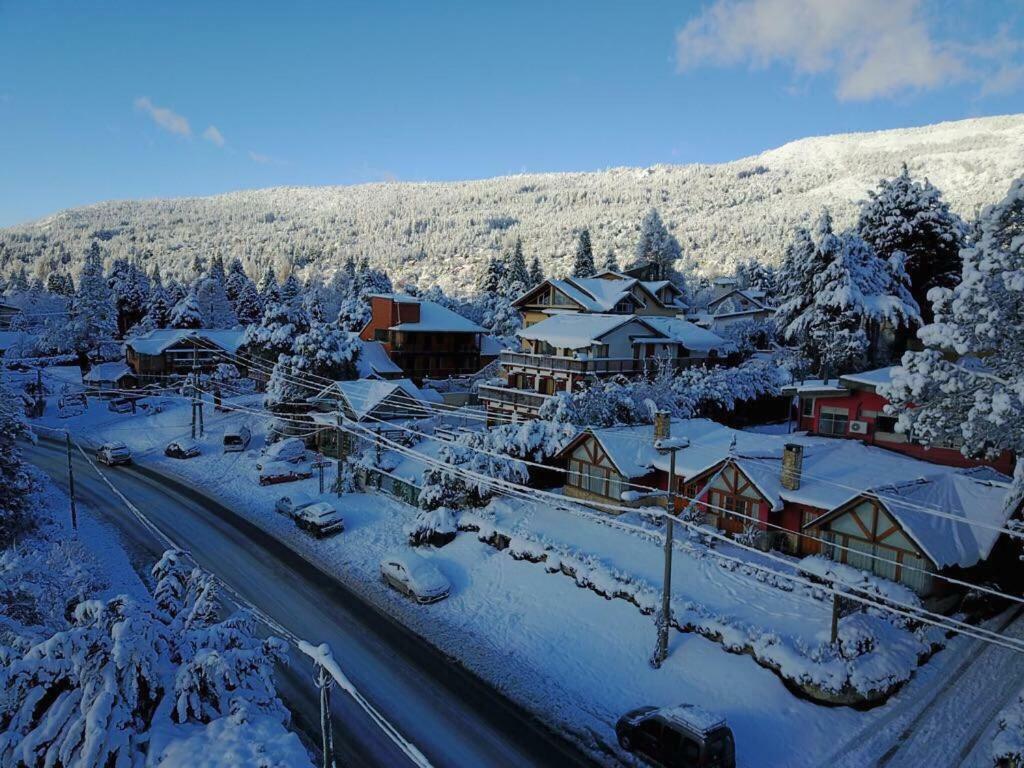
(122, 405)
(291, 450)
(291, 503)
(282, 472)
(321, 519)
(684, 736)
(237, 440)
(182, 449)
(415, 576)
(113, 453)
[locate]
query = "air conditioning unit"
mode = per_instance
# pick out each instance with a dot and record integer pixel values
(858, 427)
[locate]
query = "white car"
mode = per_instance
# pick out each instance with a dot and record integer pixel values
(415, 576)
(291, 503)
(290, 451)
(320, 519)
(237, 440)
(113, 453)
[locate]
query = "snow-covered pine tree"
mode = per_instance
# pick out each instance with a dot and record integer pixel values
(269, 289)
(187, 313)
(583, 261)
(235, 280)
(517, 277)
(325, 351)
(658, 246)
(967, 385)
(16, 483)
(274, 335)
(248, 304)
(536, 272)
(60, 284)
(804, 259)
(92, 317)
(212, 300)
(611, 261)
(130, 289)
(291, 289)
(907, 216)
(491, 279)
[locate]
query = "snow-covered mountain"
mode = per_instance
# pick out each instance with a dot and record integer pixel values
(443, 232)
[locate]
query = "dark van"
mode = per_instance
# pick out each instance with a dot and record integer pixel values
(684, 736)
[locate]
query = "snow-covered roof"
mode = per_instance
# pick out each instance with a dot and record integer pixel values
(107, 372)
(433, 317)
(156, 341)
(696, 718)
(10, 339)
(973, 498)
(373, 359)
(869, 378)
(815, 387)
(689, 335)
(834, 471)
(491, 346)
(601, 292)
(755, 297)
(573, 330)
(363, 395)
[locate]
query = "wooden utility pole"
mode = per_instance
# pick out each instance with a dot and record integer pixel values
(665, 618)
(71, 483)
(337, 447)
(323, 683)
(835, 614)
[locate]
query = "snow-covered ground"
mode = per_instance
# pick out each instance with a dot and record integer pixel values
(575, 658)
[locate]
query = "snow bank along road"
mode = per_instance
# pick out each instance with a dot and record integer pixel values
(452, 716)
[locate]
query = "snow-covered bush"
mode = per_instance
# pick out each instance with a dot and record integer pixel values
(433, 527)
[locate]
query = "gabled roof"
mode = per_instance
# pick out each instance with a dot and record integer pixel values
(362, 396)
(372, 359)
(757, 298)
(601, 292)
(156, 341)
(972, 503)
(869, 379)
(576, 331)
(433, 317)
(689, 335)
(108, 372)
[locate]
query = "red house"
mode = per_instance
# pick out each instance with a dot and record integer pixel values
(851, 407)
(424, 339)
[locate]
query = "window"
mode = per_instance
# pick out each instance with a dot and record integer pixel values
(885, 424)
(575, 473)
(380, 334)
(808, 406)
(833, 423)
(624, 307)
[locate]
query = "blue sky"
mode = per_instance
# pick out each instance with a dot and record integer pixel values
(104, 100)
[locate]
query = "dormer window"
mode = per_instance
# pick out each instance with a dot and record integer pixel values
(624, 307)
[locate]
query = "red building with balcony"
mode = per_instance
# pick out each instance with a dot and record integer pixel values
(424, 339)
(852, 407)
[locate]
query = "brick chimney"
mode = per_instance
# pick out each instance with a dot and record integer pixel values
(662, 425)
(792, 466)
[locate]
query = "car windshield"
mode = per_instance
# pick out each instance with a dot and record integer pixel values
(717, 747)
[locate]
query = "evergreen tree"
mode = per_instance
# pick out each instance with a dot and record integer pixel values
(217, 269)
(490, 280)
(611, 262)
(129, 288)
(187, 313)
(324, 351)
(269, 289)
(583, 263)
(19, 282)
(274, 335)
(92, 317)
(158, 310)
(290, 289)
(516, 277)
(657, 246)
(212, 301)
(536, 272)
(967, 385)
(911, 217)
(803, 260)
(235, 280)
(249, 304)
(16, 483)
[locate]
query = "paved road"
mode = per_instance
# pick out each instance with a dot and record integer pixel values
(453, 717)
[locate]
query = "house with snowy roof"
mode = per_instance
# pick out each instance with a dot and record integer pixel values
(853, 406)
(380, 405)
(423, 338)
(110, 379)
(566, 351)
(733, 306)
(607, 292)
(893, 515)
(163, 352)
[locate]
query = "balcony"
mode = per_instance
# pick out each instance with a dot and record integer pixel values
(598, 366)
(511, 397)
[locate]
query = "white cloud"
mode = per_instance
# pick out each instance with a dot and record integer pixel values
(213, 135)
(166, 118)
(262, 159)
(874, 48)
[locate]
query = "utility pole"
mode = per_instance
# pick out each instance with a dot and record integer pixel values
(323, 683)
(71, 483)
(337, 445)
(321, 464)
(665, 618)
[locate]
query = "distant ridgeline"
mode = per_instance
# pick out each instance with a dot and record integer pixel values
(444, 233)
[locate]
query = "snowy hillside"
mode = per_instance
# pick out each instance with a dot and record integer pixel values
(443, 232)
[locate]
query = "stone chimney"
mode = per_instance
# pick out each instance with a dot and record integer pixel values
(792, 466)
(662, 425)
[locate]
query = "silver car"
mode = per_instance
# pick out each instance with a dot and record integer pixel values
(415, 576)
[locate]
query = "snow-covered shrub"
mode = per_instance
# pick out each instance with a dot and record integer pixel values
(433, 527)
(1008, 743)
